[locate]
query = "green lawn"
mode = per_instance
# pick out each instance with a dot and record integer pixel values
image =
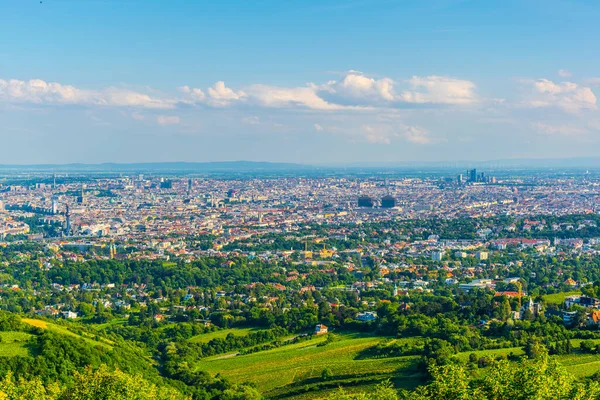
(14, 344)
(294, 371)
(221, 334)
(581, 365)
(64, 331)
(558, 298)
(116, 321)
(294, 366)
(464, 356)
(578, 364)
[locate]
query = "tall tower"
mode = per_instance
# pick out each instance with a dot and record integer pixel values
(81, 198)
(68, 224)
(54, 205)
(473, 175)
(190, 185)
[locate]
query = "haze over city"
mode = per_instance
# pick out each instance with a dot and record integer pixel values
(304, 82)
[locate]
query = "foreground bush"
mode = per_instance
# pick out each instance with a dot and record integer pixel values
(100, 384)
(537, 379)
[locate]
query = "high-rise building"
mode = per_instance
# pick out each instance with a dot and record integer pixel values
(81, 198)
(388, 201)
(366, 201)
(473, 175)
(190, 185)
(54, 205)
(166, 184)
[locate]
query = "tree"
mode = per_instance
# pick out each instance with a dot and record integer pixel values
(505, 309)
(534, 349)
(326, 374)
(438, 351)
(103, 384)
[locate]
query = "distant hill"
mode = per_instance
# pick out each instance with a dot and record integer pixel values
(224, 166)
(276, 167)
(515, 163)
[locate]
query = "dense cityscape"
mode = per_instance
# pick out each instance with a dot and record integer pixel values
(299, 200)
(412, 270)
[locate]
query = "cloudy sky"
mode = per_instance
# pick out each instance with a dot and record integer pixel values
(329, 81)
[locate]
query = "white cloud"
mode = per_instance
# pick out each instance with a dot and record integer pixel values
(417, 135)
(218, 95)
(221, 95)
(384, 134)
(165, 120)
(127, 98)
(381, 134)
(567, 96)
(355, 91)
(440, 90)
(38, 91)
(194, 94)
(279, 97)
(358, 89)
(547, 86)
(318, 128)
(593, 81)
(559, 130)
(564, 73)
(356, 86)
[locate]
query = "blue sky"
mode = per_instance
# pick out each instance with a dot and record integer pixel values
(302, 81)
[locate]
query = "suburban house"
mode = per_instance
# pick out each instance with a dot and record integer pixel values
(366, 316)
(321, 329)
(582, 301)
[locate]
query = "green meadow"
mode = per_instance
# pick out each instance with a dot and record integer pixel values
(14, 344)
(56, 328)
(558, 298)
(221, 334)
(297, 368)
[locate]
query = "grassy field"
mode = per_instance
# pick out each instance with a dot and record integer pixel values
(115, 321)
(64, 331)
(578, 364)
(464, 356)
(293, 367)
(558, 298)
(14, 344)
(294, 371)
(581, 365)
(221, 334)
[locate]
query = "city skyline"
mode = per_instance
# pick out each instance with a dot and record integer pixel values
(310, 83)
